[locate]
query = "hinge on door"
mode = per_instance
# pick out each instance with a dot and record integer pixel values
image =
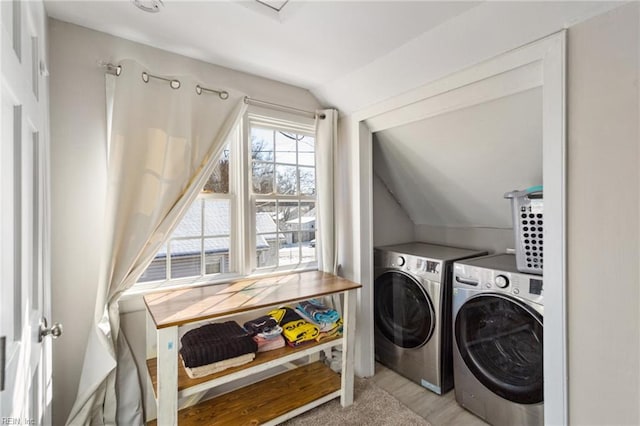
(3, 359)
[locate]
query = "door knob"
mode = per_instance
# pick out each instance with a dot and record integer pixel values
(54, 331)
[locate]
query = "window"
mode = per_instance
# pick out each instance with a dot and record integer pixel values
(256, 213)
(201, 244)
(283, 187)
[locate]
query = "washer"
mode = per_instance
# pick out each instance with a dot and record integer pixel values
(412, 311)
(498, 328)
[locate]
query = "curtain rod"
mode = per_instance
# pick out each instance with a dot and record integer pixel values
(258, 102)
(175, 84)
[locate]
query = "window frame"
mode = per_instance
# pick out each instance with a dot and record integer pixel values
(278, 122)
(242, 250)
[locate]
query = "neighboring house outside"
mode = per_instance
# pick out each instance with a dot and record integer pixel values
(190, 240)
(306, 225)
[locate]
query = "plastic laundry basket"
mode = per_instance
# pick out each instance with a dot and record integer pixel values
(528, 223)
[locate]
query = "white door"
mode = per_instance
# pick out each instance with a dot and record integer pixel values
(25, 358)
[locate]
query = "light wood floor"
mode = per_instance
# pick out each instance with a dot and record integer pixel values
(439, 410)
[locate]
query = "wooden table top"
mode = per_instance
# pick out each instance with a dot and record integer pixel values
(179, 307)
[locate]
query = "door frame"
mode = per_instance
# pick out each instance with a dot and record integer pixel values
(538, 64)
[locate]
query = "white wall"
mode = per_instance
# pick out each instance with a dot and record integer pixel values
(491, 239)
(391, 224)
(603, 283)
(449, 173)
(452, 170)
(78, 135)
(474, 36)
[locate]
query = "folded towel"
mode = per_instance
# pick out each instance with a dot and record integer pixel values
(260, 325)
(274, 333)
(319, 312)
(301, 333)
(286, 317)
(296, 329)
(323, 326)
(215, 367)
(215, 342)
(337, 331)
(265, 345)
(298, 344)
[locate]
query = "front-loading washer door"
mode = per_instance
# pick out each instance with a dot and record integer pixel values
(403, 310)
(500, 340)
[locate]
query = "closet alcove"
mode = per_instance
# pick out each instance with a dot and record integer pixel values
(435, 162)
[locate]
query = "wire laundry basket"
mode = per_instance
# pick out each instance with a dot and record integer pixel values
(527, 208)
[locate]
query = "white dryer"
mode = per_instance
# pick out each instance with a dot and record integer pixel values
(497, 350)
(412, 311)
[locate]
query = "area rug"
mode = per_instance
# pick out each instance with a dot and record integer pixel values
(372, 406)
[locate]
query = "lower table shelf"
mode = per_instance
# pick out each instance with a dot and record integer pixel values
(263, 361)
(292, 391)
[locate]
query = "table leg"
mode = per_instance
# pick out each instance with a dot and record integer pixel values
(152, 350)
(167, 376)
(348, 358)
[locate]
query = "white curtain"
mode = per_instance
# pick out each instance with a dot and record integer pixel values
(326, 141)
(162, 147)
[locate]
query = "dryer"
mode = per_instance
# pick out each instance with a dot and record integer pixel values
(498, 330)
(412, 311)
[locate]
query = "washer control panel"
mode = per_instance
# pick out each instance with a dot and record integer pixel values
(421, 266)
(523, 285)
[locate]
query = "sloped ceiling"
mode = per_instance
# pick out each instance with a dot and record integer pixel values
(453, 170)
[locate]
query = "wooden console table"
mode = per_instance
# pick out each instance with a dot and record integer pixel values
(270, 401)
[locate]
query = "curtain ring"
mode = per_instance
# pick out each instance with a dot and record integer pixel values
(222, 94)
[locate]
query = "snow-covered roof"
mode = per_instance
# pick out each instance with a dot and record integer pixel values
(217, 228)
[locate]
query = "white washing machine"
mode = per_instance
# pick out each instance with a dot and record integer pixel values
(412, 311)
(497, 352)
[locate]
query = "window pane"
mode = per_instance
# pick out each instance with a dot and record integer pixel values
(306, 159)
(308, 248)
(191, 223)
(262, 177)
(266, 250)
(308, 227)
(306, 144)
(290, 250)
(286, 180)
(157, 269)
(288, 213)
(186, 256)
(267, 234)
(307, 181)
(266, 217)
(219, 180)
(217, 256)
(217, 217)
(286, 147)
(261, 144)
(306, 151)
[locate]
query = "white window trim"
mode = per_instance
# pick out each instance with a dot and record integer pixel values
(242, 201)
(276, 121)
